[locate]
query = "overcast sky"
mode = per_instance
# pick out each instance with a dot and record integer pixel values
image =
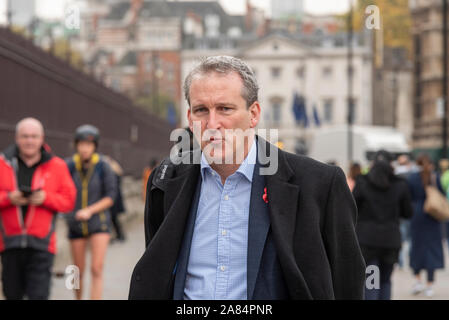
(55, 8)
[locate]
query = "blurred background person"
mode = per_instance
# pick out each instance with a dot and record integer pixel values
(382, 198)
(403, 168)
(146, 174)
(355, 170)
(426, 251)
(444, 180)
(34, 186)
(90, 222)
(444, 174)
(119, 206)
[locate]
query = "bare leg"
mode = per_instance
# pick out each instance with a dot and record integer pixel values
(99, 244)
(78, 248)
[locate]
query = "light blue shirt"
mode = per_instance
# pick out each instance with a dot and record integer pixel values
(218, 253)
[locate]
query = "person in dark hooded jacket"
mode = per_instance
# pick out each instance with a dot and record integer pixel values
(382, 199)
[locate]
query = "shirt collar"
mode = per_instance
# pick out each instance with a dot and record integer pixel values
(246, 168)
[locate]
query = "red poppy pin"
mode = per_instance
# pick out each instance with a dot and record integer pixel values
(265, 196)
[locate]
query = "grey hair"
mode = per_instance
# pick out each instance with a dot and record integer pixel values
(225, 65)
(32, 121)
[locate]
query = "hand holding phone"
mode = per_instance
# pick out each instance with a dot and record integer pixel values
(26, 191)
(37, 197)
(17, 198)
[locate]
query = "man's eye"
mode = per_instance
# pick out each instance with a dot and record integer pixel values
(200, 110)
(225, 109)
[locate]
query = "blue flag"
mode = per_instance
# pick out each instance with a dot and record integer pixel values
(299, 110)
(316, 116)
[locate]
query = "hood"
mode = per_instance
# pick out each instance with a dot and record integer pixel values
(381, 175)
(12, 151)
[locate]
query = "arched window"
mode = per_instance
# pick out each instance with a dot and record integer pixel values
(275, 117)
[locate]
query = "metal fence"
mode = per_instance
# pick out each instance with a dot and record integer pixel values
(34, 83)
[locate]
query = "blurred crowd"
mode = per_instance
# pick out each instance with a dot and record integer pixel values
(402, 204)
(402, 217)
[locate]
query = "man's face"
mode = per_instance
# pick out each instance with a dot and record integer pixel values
(29, 139)
(85, 149)
(216, 103)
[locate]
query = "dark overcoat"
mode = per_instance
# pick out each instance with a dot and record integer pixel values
(312, 216)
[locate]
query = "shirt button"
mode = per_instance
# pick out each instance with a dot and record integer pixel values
(223, 233)
(226, 197)
(222, 268)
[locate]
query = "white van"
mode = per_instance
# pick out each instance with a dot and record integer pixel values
(330, 144)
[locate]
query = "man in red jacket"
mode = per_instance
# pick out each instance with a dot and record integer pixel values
(34, 187)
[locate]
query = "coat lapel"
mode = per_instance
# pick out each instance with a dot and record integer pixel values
(178, 197)
(258, 226)
(283, 198)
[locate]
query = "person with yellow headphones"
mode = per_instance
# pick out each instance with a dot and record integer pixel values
(90, 221)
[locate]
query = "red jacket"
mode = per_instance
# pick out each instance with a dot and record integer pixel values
(38, 229)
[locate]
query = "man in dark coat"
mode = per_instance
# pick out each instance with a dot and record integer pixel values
(240, 230)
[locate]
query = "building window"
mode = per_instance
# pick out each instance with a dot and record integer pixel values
(276, 72)
(235, 32)
(276, 113)
(418, 75)
(212, 22)
(351, 71)
(170, 72)
(328, 110)
(327, 72)
(353, 110)
(301, 72)
(148, 64)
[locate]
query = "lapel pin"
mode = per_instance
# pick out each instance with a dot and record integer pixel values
(265, 196)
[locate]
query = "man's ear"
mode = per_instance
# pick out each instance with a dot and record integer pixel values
(254, 111)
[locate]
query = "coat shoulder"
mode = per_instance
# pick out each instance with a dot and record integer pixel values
(306, 167)
(57, 162)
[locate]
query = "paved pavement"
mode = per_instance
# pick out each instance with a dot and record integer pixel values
(403, 281)
(119, 264)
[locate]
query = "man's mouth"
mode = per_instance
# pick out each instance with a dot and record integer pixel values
(215, 140)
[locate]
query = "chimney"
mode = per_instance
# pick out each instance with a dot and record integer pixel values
(249, 16)
(135, 8)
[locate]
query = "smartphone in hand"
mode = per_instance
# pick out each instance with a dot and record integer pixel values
(26, 191)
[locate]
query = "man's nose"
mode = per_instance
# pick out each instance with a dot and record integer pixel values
(213, 122)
